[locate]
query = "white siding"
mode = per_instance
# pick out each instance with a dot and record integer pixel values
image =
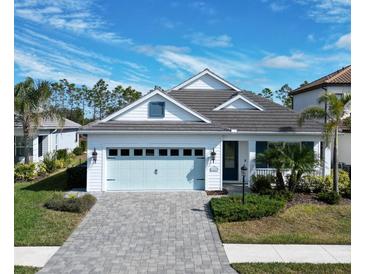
(66, 140)
(207, 82)
(239, 104)
(172, 112)
(310, 98)
(96, 172)
(52, 141)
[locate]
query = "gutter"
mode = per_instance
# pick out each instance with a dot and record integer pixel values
(196, 132)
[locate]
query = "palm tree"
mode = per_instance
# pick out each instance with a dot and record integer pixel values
(297, 158)
(300, 159)
(275, 157)
(334, 115)
(31, 104)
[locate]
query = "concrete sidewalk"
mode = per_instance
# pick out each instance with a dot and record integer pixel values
(261, 253)
(36, 256)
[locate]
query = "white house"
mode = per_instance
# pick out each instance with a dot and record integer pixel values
(195, 136)
(339, 83)
(49, 136)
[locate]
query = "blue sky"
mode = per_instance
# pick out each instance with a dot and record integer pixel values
(254, 44)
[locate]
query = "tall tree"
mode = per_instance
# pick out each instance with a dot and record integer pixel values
(283, 95)
(82, 98)
(130, 95)
(334, 116)
(58, 97)
(70, 93)
(32, 105)
(304, 83)
(267, 93)
(98, 99)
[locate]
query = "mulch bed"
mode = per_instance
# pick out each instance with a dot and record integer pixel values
(216, 192)
(310, 198)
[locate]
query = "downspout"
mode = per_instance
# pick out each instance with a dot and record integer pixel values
(325, 146)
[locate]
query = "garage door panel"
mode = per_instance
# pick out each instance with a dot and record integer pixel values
(155, 173)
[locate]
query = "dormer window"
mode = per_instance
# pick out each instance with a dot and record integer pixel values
(157, 109)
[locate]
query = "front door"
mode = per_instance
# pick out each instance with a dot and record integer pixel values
(230, 160)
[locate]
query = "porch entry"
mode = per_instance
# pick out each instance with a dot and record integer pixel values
(230, 160)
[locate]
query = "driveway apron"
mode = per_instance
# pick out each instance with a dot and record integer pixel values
(165, 232)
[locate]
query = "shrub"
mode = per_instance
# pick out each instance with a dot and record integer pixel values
(77, 150)
(344, 184)
(60, 163)
(79, 204)
(49, 160)
(331, 197)
(76, 176)
(319, 184)
(230, 209)
(41, 169)
(261, 183)
(284, 194)
(61, 154)
(316, 184)
(25, 172)
(83, 145)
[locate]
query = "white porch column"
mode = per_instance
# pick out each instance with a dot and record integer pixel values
(317, 153)
(251, 165)
(327, 161)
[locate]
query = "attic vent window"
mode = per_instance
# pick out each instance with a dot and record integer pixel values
(157, 109)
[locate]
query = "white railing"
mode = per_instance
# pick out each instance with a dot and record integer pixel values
(285, 172)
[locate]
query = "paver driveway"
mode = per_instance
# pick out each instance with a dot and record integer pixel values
(144, 233)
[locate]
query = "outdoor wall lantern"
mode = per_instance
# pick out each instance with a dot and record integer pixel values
(94, 155)
(243, 173)
(212, 155)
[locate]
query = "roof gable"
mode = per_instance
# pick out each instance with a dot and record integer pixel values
(238, 102)
(137, 111)
(206, 80)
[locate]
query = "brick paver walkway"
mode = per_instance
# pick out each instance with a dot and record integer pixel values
(144, 233)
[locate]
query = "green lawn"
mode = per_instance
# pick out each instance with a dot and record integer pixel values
(25, 269)
(35, 225)
(291, 268)
(299, 224)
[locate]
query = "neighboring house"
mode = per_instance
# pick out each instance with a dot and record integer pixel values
(195, 136)
(49, 136)
(339, 83)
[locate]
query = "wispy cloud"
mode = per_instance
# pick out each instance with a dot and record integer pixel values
(74, 16)
(203, 7)
(167, 23)
(295, 60)
(328, 11)
(321, 11)
(219, 41)
(180, 59)
(311, 37)
(343, 42)
(276, 6)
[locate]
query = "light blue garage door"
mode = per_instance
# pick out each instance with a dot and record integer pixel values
(155, 169)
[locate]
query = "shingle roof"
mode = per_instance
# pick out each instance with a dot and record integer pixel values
(152, 126)
(339, 77)
(52, 124)
(274, 118)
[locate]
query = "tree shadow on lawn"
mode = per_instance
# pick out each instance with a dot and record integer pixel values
(56, 182)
